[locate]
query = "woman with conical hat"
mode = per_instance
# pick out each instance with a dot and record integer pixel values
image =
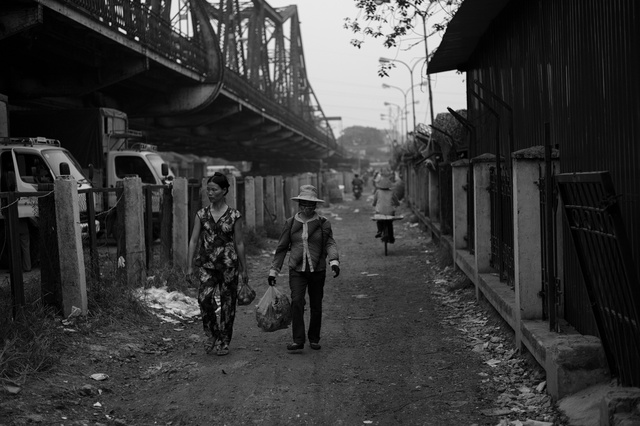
(308, 238)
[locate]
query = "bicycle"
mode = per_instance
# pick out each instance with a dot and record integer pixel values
(386, 230)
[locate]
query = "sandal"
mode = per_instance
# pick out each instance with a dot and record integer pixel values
(210, 345)
(222, 350)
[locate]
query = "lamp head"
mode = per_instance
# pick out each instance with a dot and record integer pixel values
(384, 60)
(387, 104)
(385, 86)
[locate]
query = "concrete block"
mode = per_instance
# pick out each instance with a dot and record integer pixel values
(575, 362)
(621, 407)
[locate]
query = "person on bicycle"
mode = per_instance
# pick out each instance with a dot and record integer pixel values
(385, 201)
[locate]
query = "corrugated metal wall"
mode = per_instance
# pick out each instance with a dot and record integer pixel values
(591, 52)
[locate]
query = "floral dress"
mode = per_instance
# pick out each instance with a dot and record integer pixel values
(218, 271)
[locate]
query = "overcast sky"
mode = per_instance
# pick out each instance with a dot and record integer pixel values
(345, 79)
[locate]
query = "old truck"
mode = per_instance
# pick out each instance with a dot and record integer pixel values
(27, 162)
(104, 145)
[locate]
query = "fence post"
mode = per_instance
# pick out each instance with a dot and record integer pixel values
(295, 190)
(50, 282)
(279, 187)
(180, 237)
(72, 272)
(459, 205)
(433, 206)
(249, 203)
(482, 221)
(270, 200)
(259, 191)
(232, 195)
(134, 243)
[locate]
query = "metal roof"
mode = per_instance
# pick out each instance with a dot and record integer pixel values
(463, 33)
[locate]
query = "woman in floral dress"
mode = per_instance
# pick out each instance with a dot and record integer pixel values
(217, 249)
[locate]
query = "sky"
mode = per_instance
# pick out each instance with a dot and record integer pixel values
(345, 79)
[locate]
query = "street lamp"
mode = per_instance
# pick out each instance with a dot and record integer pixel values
(398, 117)
(423, 15)
(410, 68)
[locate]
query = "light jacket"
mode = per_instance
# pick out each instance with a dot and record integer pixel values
(311, 243)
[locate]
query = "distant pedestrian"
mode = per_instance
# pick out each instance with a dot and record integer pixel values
(220, 258)
(308, 238)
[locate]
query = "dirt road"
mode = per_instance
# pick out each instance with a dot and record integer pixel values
(388, 356)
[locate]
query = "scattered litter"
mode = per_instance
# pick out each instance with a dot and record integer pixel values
(367, 422)
(356, 211)
(121, 262)
(361, 296)
(372, 275)
(97, 405)
(171, 303)
(99, 376)
(13, 390)
(493, 362)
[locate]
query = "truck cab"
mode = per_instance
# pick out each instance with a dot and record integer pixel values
(140, 159)
(32, 161)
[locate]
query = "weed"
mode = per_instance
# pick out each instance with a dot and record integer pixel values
(32, 341)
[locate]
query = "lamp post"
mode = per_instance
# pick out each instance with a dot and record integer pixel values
(410, 68)
(398, 116)
(404, 94)
(424, 15)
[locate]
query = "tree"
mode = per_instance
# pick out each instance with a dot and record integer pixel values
(365, 142)
(397, 20)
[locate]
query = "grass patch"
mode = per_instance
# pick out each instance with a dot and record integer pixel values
(32, 341)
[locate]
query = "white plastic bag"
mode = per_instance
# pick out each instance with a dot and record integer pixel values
(273, 311)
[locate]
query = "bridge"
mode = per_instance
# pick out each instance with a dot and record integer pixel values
(223, 78)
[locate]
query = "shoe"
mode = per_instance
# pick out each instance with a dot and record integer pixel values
(315, 346)
(295, 346)
(379, 234)
(223, 350)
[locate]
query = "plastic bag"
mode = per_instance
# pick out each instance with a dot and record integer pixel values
(246, 295)
(273, 311)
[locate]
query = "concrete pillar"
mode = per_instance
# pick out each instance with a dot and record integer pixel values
(528, 164)
(434, 195)
(279, 187)
(134, 244)
(270, 200)
(295, 190)
(203, 192)
(424, 192)
(482, 211)
(527, 252)
(259, 190)
(249, 203)
(72, 272)
(460, 170)
(180, 231)
(232, 196)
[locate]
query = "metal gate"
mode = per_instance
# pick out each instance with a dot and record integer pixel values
(501, 224)
(594, 218)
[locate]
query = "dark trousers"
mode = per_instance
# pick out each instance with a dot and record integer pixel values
(301, 283)
(389, 225)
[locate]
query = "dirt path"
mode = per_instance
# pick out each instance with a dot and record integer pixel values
(386, 356)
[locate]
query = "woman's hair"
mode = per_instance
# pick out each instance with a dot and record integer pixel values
(220, 180)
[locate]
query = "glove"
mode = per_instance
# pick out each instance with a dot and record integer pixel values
(271, 280)
(336, 270)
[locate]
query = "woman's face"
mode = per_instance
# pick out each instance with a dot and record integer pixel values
(307, 208)
(215, 192)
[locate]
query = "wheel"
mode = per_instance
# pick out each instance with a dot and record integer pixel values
(385, 248)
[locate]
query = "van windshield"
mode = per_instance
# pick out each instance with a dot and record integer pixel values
(54, 157)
